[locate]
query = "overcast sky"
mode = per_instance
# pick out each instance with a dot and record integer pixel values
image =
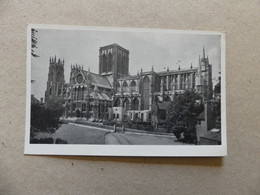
(147, 49)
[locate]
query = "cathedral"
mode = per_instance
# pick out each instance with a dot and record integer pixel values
(114, 94)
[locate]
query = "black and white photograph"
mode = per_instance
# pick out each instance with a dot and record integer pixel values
(125, 92)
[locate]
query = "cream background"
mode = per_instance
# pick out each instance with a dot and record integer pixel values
(238, 173)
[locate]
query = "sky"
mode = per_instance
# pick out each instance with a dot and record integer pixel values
(160, 49)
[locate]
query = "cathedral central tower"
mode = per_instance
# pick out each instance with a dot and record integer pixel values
(113, 62)
(113, 59)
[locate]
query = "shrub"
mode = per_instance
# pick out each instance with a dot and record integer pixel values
(44, 119)
(60, 141)
(111, 123)
(47, 140)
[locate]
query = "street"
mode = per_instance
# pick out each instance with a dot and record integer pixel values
(139, 139)
(79, 134)
(76, 134)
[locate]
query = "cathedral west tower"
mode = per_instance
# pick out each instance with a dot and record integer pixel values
(55, 83)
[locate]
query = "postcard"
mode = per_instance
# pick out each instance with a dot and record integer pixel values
(103, 91)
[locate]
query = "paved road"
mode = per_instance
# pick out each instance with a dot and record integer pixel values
(78, 134)
(139, 139)
(75, 134)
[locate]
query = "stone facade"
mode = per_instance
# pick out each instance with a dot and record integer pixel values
(116, 95)
(88, 95)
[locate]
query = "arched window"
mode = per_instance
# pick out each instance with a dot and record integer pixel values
(136, 116)
(125, 87)
(83, 107)
(104, 63)
(157, 84)
(183, 81)
(110, 58)
(82, 95)
(50, 90)
(146, 94)
(174, 84)
(73, 107)
(187, 82)
(126, 104)
(133, 86)
(117, 103)
(135, 104)
(118, 86)
(59, 79)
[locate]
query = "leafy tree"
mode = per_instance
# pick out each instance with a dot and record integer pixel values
(182, 116)
(217, 103)
(217, 88)
(33, 42)
(55, 104)
(45, 118)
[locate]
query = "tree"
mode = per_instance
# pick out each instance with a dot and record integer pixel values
(45, 118)
(33, 42)
(182, 116)
(217, 103)
(217, 89)
(55, 104)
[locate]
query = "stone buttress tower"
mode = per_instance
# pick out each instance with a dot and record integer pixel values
(55, 83)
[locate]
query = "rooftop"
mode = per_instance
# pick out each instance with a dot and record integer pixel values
(97, 80)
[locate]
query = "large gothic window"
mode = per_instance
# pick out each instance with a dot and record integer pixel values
(104, 63)
(193, 81)
(175, 82)
(133, 86)
(110, 59)
(73, 107)
(157, 84)
(126, 104)
(82, 93)
(59, 79)
(83, 107)
(125, 87)
(145, 94)
(135, 104)
(117, 103)
(184, 82)
(50, 90)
